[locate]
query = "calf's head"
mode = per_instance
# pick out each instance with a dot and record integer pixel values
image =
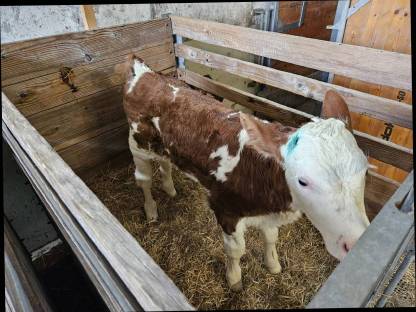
(325, 172)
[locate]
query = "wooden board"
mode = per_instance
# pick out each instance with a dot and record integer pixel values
(23, 290)
(385, 151)
(362, 63)
(37, 57)
(360, 102)
(88, 16)
(318, 15)
(47, 91)
(381, 25)
(144, 279)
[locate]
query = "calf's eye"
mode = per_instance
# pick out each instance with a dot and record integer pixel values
(302, 182)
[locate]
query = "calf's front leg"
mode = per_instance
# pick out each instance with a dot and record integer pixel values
(166, 173)
(234, 246)
(271, 259)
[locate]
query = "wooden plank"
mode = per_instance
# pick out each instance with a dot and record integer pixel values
(360, 102)
(116, 296)
(272, 109)
(384, 26)
(372, 65)
(385, 151)
(378, 190)
(85, 155)
(151, 287)
(34, 95)
(71, 120)
(24, 291)
(32, 58)
(88, 16)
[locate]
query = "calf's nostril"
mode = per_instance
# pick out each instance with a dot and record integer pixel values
(346, 247)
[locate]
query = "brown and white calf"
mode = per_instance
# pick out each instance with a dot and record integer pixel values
(257, 173)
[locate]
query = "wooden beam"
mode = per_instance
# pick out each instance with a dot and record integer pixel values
(359, 102)
(88, 16)
(140, 275)
(388, 152)
(23, 290)
(371, 65)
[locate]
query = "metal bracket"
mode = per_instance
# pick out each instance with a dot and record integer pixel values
(356, 7)
(180, 60)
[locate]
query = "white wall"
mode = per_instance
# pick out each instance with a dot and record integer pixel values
(26, 22)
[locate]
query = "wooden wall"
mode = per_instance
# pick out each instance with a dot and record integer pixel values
(382, 25)
(66, 86)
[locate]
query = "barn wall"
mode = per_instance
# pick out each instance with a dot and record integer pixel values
(381, 25)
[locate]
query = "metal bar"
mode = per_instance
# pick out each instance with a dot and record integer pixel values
(180, 60)
(263, 26)
(409, 258)
(357, 278)
(338, 27)
(273, 18)
(356, 7)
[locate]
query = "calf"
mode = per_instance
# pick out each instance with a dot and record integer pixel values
(257, 173)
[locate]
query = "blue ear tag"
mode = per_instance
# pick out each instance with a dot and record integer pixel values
(293, 141)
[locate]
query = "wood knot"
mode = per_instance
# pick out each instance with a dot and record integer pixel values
(23, 94)
(67, 76)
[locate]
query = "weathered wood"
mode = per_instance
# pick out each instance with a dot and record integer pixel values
(388, 152)
(23, 289)
(147, 282)
(378, 190)
(86, 155)
(272, 109)
(372, 65)
(110, 287)
(359, 102)
(34, 95)
(71, 120)
(33, 58)
(385, 151)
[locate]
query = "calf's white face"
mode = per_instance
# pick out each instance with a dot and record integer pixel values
(325, 171)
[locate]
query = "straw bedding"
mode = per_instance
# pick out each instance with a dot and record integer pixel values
(187, 244)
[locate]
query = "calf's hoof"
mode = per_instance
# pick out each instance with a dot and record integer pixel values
(275, 268)
(237, 287)
(150, 209)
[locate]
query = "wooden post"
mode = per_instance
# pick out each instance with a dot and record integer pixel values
(88, 15)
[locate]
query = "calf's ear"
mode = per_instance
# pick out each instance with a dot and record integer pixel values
(260, 136)
(334, 106)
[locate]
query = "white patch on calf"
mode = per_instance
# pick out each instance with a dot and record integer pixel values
(227, 162)
(140, 176)
(134, 126)
(155, 121)
(175, 91)
(139, 69)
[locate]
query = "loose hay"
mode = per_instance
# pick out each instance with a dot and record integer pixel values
(187, 244)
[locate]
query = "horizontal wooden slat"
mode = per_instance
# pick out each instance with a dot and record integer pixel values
(388, 152)
(34, 95)
(71, 120)
(28, 59)
(146, 281)
(371, 65)
(359, 102)
(378, 190)
(85, 155)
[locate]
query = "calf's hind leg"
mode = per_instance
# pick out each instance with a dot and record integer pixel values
(143, 175)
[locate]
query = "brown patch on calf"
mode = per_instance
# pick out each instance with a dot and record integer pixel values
(192, 126)
(334, 106)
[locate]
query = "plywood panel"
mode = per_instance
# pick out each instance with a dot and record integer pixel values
(382, 25)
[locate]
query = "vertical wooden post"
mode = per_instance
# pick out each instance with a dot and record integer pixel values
(88, 15)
